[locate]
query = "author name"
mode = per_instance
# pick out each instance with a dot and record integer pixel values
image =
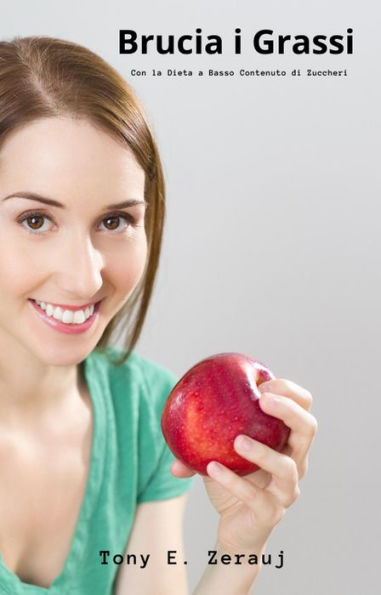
(213, 558)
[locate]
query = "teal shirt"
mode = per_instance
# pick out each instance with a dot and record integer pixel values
(130, 463)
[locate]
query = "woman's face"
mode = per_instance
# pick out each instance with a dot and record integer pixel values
(72, 254)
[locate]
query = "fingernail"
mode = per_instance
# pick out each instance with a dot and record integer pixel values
(243, 443)
(214, 468)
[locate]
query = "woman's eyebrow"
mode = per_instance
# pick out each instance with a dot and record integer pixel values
(54, 203)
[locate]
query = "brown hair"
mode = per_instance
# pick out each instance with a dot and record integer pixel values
(44, 77)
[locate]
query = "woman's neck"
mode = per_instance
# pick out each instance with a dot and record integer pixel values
(29, 390)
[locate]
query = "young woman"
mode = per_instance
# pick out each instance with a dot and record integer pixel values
(85, 472)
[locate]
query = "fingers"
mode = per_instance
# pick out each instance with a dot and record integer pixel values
(289, 389)
(284, 484)
(180, 470)
(303, 425)
(264, 505)
(300, 421)
(267, 504)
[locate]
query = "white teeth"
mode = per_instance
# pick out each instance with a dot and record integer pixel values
(67, 316)
(78, 317)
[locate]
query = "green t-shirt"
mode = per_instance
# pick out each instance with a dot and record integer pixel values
(130, 463)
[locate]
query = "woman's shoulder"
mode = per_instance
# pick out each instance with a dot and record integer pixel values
(140, 376)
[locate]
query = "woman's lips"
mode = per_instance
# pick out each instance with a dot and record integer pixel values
(63, 327)
(66, 306)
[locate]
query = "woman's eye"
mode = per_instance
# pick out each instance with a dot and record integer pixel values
(34, 222)
(111, 222)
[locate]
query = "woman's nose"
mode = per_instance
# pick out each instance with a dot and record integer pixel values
(79, 268)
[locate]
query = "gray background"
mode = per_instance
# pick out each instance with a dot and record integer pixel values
(271, 246)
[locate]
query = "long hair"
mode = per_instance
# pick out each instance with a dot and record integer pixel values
(42, 77)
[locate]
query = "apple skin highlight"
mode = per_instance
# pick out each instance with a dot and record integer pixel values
(217, 399)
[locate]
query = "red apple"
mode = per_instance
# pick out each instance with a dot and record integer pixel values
(217, 399)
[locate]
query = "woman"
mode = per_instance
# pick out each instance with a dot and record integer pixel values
(85, 473)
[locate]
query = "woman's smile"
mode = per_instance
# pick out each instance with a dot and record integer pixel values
(66, 321)
(74, 308)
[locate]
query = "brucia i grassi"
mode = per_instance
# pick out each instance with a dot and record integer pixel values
(264, 41)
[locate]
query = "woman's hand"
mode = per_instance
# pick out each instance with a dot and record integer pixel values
(252, 505)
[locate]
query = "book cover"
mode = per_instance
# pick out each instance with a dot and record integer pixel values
(266, 119)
